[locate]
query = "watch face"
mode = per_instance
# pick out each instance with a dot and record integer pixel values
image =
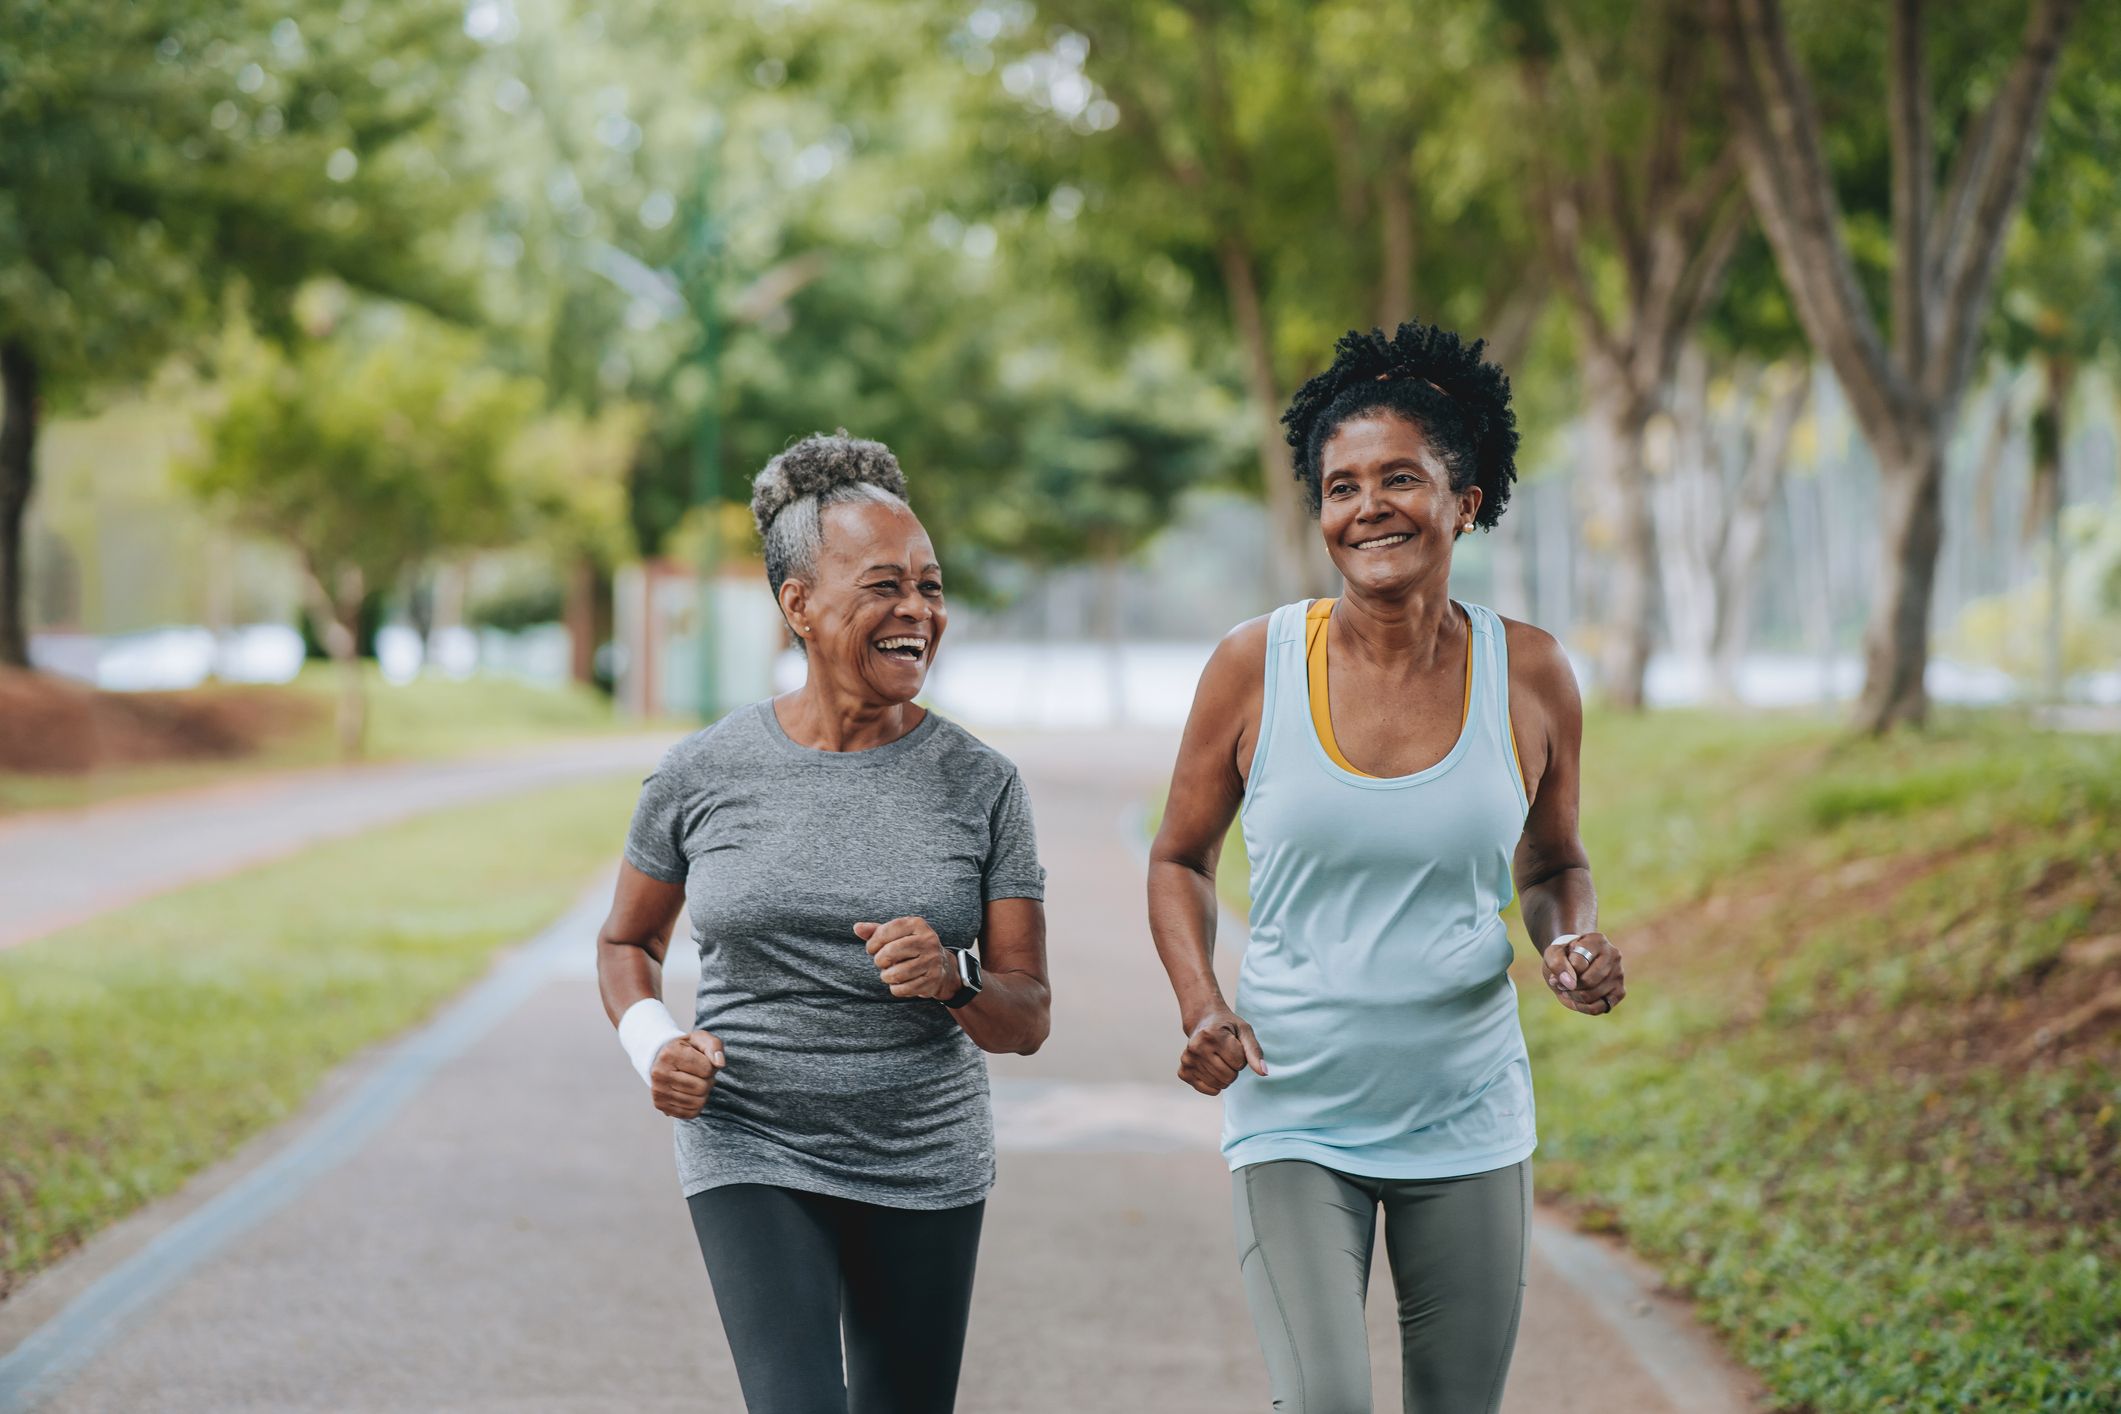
(968, 967)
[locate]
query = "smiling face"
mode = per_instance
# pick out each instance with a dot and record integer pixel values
(874, 615)
(1386, 506)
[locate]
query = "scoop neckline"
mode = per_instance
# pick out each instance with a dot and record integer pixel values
(867, 756)
(1430, 772)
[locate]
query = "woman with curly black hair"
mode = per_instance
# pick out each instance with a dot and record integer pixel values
(1403, 762)
(838, 851)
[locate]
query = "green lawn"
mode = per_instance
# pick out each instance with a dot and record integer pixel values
(427, 718)
(1862, 1100)
(138, 1048)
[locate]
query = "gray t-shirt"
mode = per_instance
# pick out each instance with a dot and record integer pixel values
(834, 1085)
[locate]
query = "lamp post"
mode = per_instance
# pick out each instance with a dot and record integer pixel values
(663, 292)
(707, 465)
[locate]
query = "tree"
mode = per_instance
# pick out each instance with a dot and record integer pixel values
(367, 457)
(1639, 213)
(1268, 161)
(1729, 447)
(568, 479)
(2060, 306)
(155, 155)
(1945, 248)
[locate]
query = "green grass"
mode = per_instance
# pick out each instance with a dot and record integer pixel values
(1814, 1110)
(1822, 1111)
(425, 719)
(142, 1046)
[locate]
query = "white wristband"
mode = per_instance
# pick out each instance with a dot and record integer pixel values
(644, 1030)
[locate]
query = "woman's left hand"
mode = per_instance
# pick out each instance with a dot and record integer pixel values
(913, 961)
(1592, 985)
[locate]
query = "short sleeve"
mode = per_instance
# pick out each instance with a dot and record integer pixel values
(1013, 870)
(655, 841)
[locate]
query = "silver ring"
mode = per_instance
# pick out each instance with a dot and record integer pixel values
(1585, 953)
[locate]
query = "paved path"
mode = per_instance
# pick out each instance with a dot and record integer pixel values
(61, 867)
(485, 1218)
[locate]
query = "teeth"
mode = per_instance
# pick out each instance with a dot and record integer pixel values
(888, 644)
(1376, 544)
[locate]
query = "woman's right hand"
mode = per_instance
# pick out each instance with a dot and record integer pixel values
(1218, 1046)
(684, 1073)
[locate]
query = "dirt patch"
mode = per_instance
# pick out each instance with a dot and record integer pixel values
(53, 725)
(2061, 1010)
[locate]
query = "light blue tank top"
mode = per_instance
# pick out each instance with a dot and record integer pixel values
(1376, 975)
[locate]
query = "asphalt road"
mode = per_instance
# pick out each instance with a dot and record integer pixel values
(485, 1217)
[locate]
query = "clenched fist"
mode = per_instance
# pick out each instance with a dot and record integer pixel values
(684, 1073)
(1585, 974)
(912, 960)
(1218, 1047)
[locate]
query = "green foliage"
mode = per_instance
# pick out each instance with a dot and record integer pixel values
(367, 458)
(153, 155)
(567, 481)
(238, 996)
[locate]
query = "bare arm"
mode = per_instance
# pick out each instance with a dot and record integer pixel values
(634, 939)
(1207, 787)
(630, 950)
(1012, 1011)
(1552, 869)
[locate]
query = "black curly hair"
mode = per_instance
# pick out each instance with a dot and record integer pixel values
(1425, 374)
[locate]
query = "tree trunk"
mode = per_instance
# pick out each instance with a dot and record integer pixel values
(1688, 512)
(338, 614)
(2043, 509)
(1745, 534)
(1287, 526)
(581, 618)
(1896, 642)
(1395, 212)
(1630, 598)
(352, 717)
(18, 465)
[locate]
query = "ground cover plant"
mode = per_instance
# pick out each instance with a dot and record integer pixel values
(139, 1047)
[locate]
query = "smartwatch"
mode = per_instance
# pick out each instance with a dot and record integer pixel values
(968, 974)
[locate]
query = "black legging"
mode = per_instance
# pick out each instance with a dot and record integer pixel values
(792, 1270)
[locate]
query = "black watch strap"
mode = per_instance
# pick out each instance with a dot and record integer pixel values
(968, 970)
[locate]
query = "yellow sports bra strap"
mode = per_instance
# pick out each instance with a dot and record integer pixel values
(1317, 630)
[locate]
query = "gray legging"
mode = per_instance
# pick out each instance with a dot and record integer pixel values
(1457, 1249)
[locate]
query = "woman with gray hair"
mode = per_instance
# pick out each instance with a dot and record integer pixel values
(839, 851)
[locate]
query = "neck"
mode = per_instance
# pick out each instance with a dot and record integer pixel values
(1417, 626)
(826, 718)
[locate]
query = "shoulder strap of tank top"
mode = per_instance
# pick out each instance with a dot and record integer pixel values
(1493, 692)
(1283, 690)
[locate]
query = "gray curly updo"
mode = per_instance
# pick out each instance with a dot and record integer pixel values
(789, 496)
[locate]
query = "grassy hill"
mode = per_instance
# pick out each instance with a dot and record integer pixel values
(1862, 1100)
